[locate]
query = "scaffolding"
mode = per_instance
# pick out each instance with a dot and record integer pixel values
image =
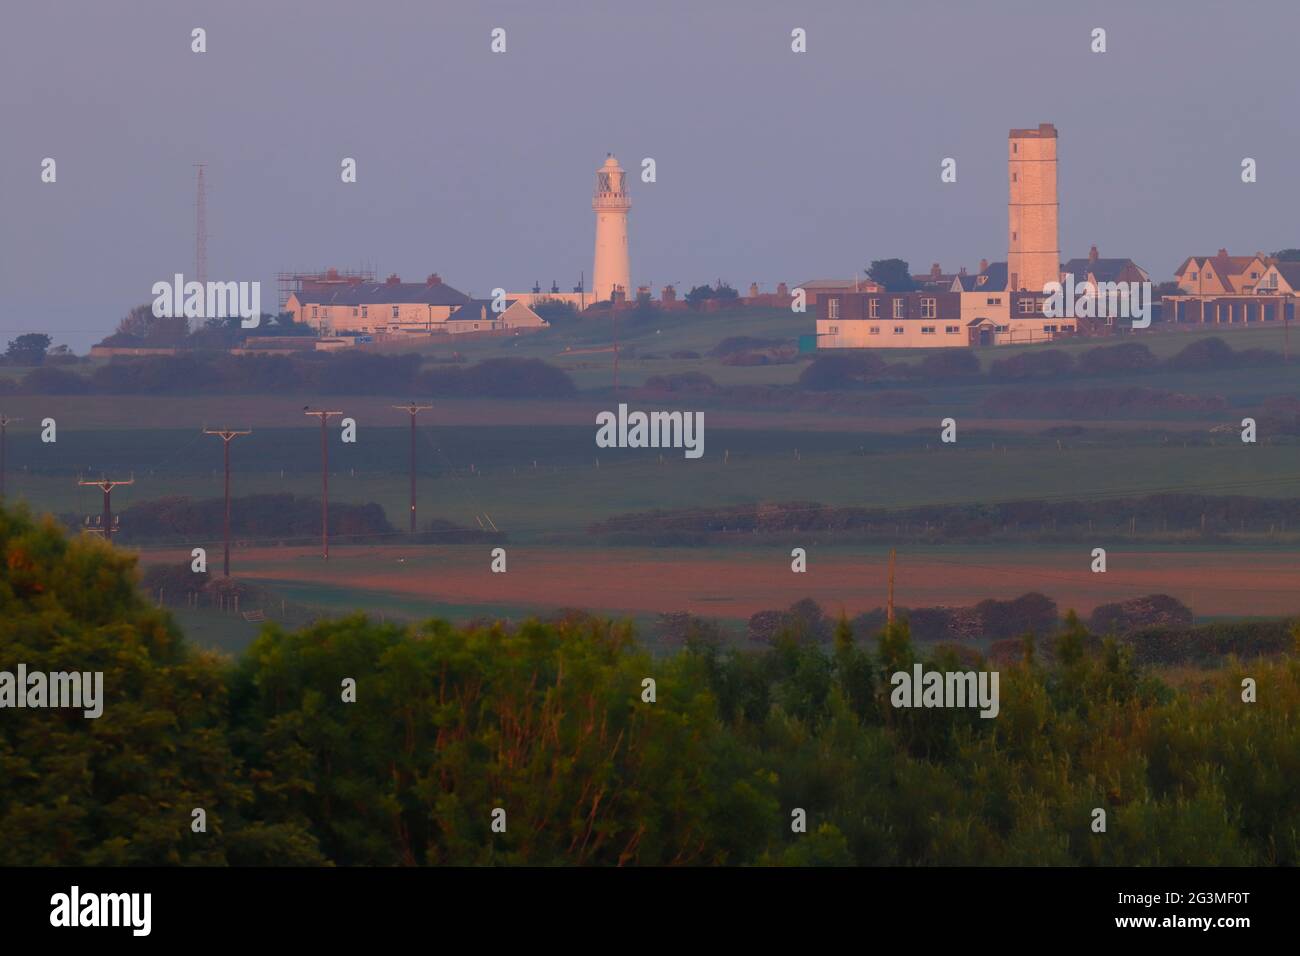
(298, 280)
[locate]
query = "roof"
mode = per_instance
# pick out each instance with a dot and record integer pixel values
(385, 293)
(1290, 271)
(995, 279)
(1106, 270)
(835, 283)
(472, 310)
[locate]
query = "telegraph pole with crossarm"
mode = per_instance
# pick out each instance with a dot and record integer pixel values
(412, 409)
(106, 485)
(324, 479)
(227, 436)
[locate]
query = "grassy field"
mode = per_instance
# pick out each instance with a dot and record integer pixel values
(570, 346)
(471, 472)
(532, 469)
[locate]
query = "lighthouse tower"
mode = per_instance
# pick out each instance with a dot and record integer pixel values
(1033, 252)
(611, 272)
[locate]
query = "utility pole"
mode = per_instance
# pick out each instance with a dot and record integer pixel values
(412, 409)
(324, 479)
(227, 436)
(107, 485)
(5, 422)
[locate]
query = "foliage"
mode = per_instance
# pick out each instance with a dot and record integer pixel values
(894, 274)
(28, 349)
(550, 722)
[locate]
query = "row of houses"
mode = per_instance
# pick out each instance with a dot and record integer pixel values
(1228, 290)
(396, 308)
(957, 310)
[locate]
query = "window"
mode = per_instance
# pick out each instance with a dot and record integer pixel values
(315, 311)
(1013, 236)
(354, 313)
(1014, 177)
(1049, 328)
(365, 309)
(874, 309)
(395, 311)
(1067, 328)
(898, 330)
(927, 330)
(1015, 147)
(928, 308)
(833, 329)
(1194, 275)
(899, 306)
(833, 307)
(951, 330)
(994, 300)
(874, 330)
(1027, 306)
(1000, 328)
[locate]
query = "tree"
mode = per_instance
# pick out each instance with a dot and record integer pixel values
(117, 789)
(1287, 255)
(699, 295)
(725, 294)
(142, 324)
(28, 349)
(894, 274)
(555, 311)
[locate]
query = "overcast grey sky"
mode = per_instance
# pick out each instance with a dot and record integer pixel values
(772, 166)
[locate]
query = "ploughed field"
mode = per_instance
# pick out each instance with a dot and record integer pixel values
(457, 581)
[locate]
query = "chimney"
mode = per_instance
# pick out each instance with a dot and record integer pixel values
(935, 270)
(1093, 254)
(393, 280)
(962, 271)
(1223, 254)
(434, 279)
(984, 265)
(782, 289)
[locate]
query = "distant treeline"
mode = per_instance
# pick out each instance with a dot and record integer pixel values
(346, 373)
(276, 519)
(1157, 629)
(1144, 515)
(546, 728)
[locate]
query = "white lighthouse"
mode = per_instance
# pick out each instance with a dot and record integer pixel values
(611, 272)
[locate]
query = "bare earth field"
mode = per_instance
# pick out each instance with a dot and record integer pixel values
(737, 583)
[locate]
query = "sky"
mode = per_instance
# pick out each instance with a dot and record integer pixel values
(771, 165)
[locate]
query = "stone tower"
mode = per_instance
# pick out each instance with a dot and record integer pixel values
(1033, 250)
(611, 272)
